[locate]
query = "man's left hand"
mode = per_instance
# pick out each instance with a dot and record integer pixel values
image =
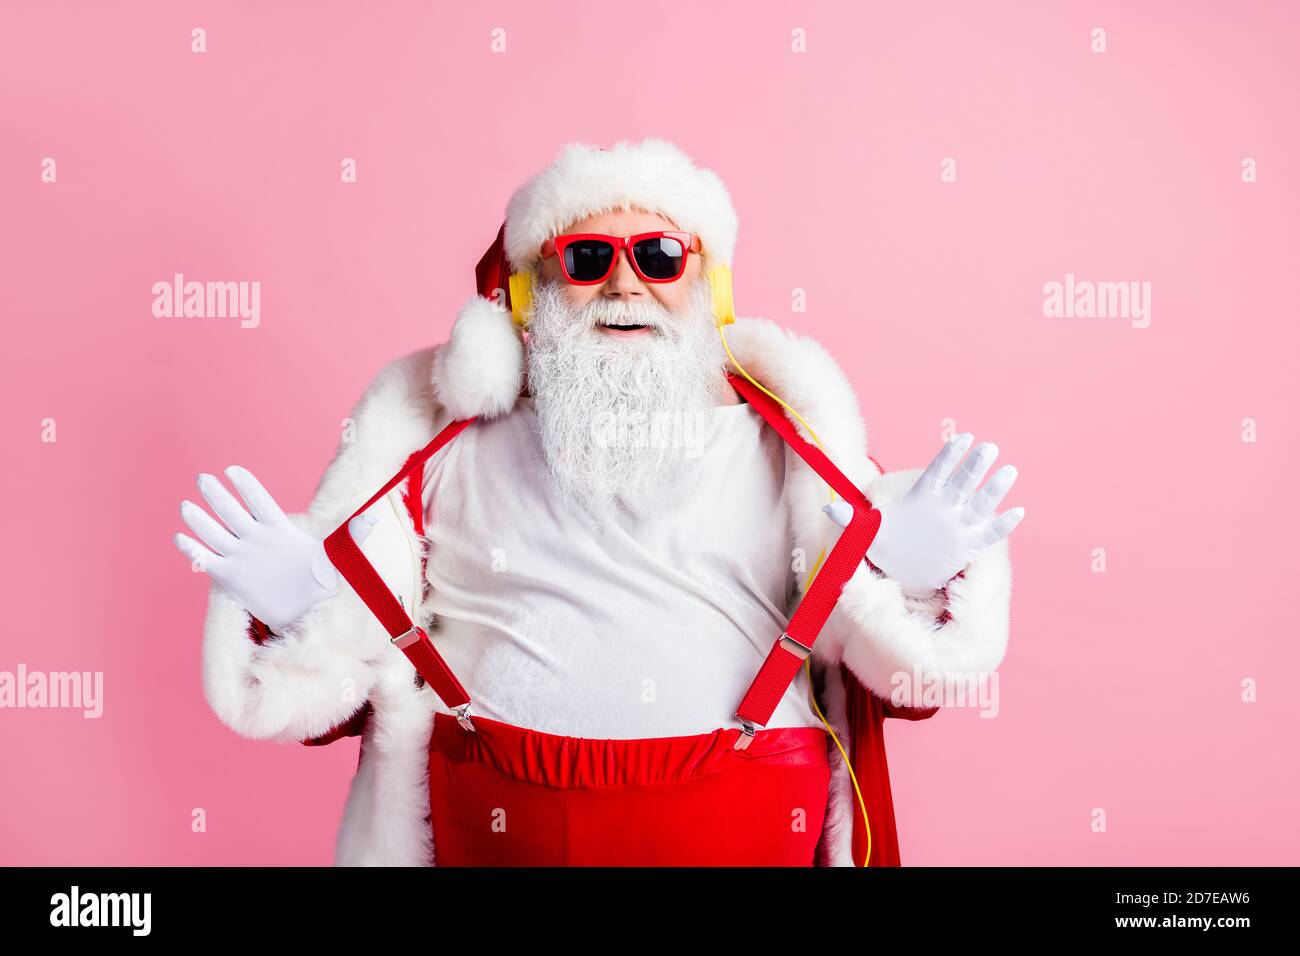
(934, 531)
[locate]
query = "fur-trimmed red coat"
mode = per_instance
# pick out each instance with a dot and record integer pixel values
(335, 674)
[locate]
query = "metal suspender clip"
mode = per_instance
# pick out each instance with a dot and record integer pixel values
(792, 646)
(462, 718)
(405, 640)
(747, 730)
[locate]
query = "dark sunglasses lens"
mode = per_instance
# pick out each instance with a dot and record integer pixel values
(586, 260)
(661, 258)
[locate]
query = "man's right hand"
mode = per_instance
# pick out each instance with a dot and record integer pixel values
(276, 571)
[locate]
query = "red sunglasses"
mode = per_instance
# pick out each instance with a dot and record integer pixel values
(587, 258)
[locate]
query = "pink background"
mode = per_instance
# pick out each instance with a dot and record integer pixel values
(1120, 690)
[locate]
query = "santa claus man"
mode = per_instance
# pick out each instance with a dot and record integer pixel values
(577, 576)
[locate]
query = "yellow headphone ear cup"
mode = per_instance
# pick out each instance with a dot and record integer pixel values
(521, 297)
(724, 311)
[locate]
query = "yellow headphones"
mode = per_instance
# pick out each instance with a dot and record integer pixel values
(521, 297)
(521, 300)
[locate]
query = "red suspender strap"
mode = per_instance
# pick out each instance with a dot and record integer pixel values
(793, 646)
(370, 587)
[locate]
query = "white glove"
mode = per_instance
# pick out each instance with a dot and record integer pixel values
(275, 570)
(931, 533)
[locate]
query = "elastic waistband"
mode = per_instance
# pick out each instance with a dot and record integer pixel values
(583, 762)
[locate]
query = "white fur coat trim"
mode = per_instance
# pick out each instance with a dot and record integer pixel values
(319, 671)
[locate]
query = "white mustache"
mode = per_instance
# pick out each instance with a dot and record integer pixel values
(615, 313)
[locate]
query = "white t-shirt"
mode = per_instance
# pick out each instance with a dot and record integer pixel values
(646, 627)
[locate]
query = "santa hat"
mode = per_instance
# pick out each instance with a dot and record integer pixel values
(585, 180)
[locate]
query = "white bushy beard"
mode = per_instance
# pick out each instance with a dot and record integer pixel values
(592, 389)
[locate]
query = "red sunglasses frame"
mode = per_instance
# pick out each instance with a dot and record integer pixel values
(556, 247)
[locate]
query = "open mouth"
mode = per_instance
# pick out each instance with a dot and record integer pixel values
(616, 329)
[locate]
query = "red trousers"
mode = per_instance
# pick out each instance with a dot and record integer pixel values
(507, 796)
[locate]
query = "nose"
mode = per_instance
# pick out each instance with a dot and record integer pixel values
(623, 282)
